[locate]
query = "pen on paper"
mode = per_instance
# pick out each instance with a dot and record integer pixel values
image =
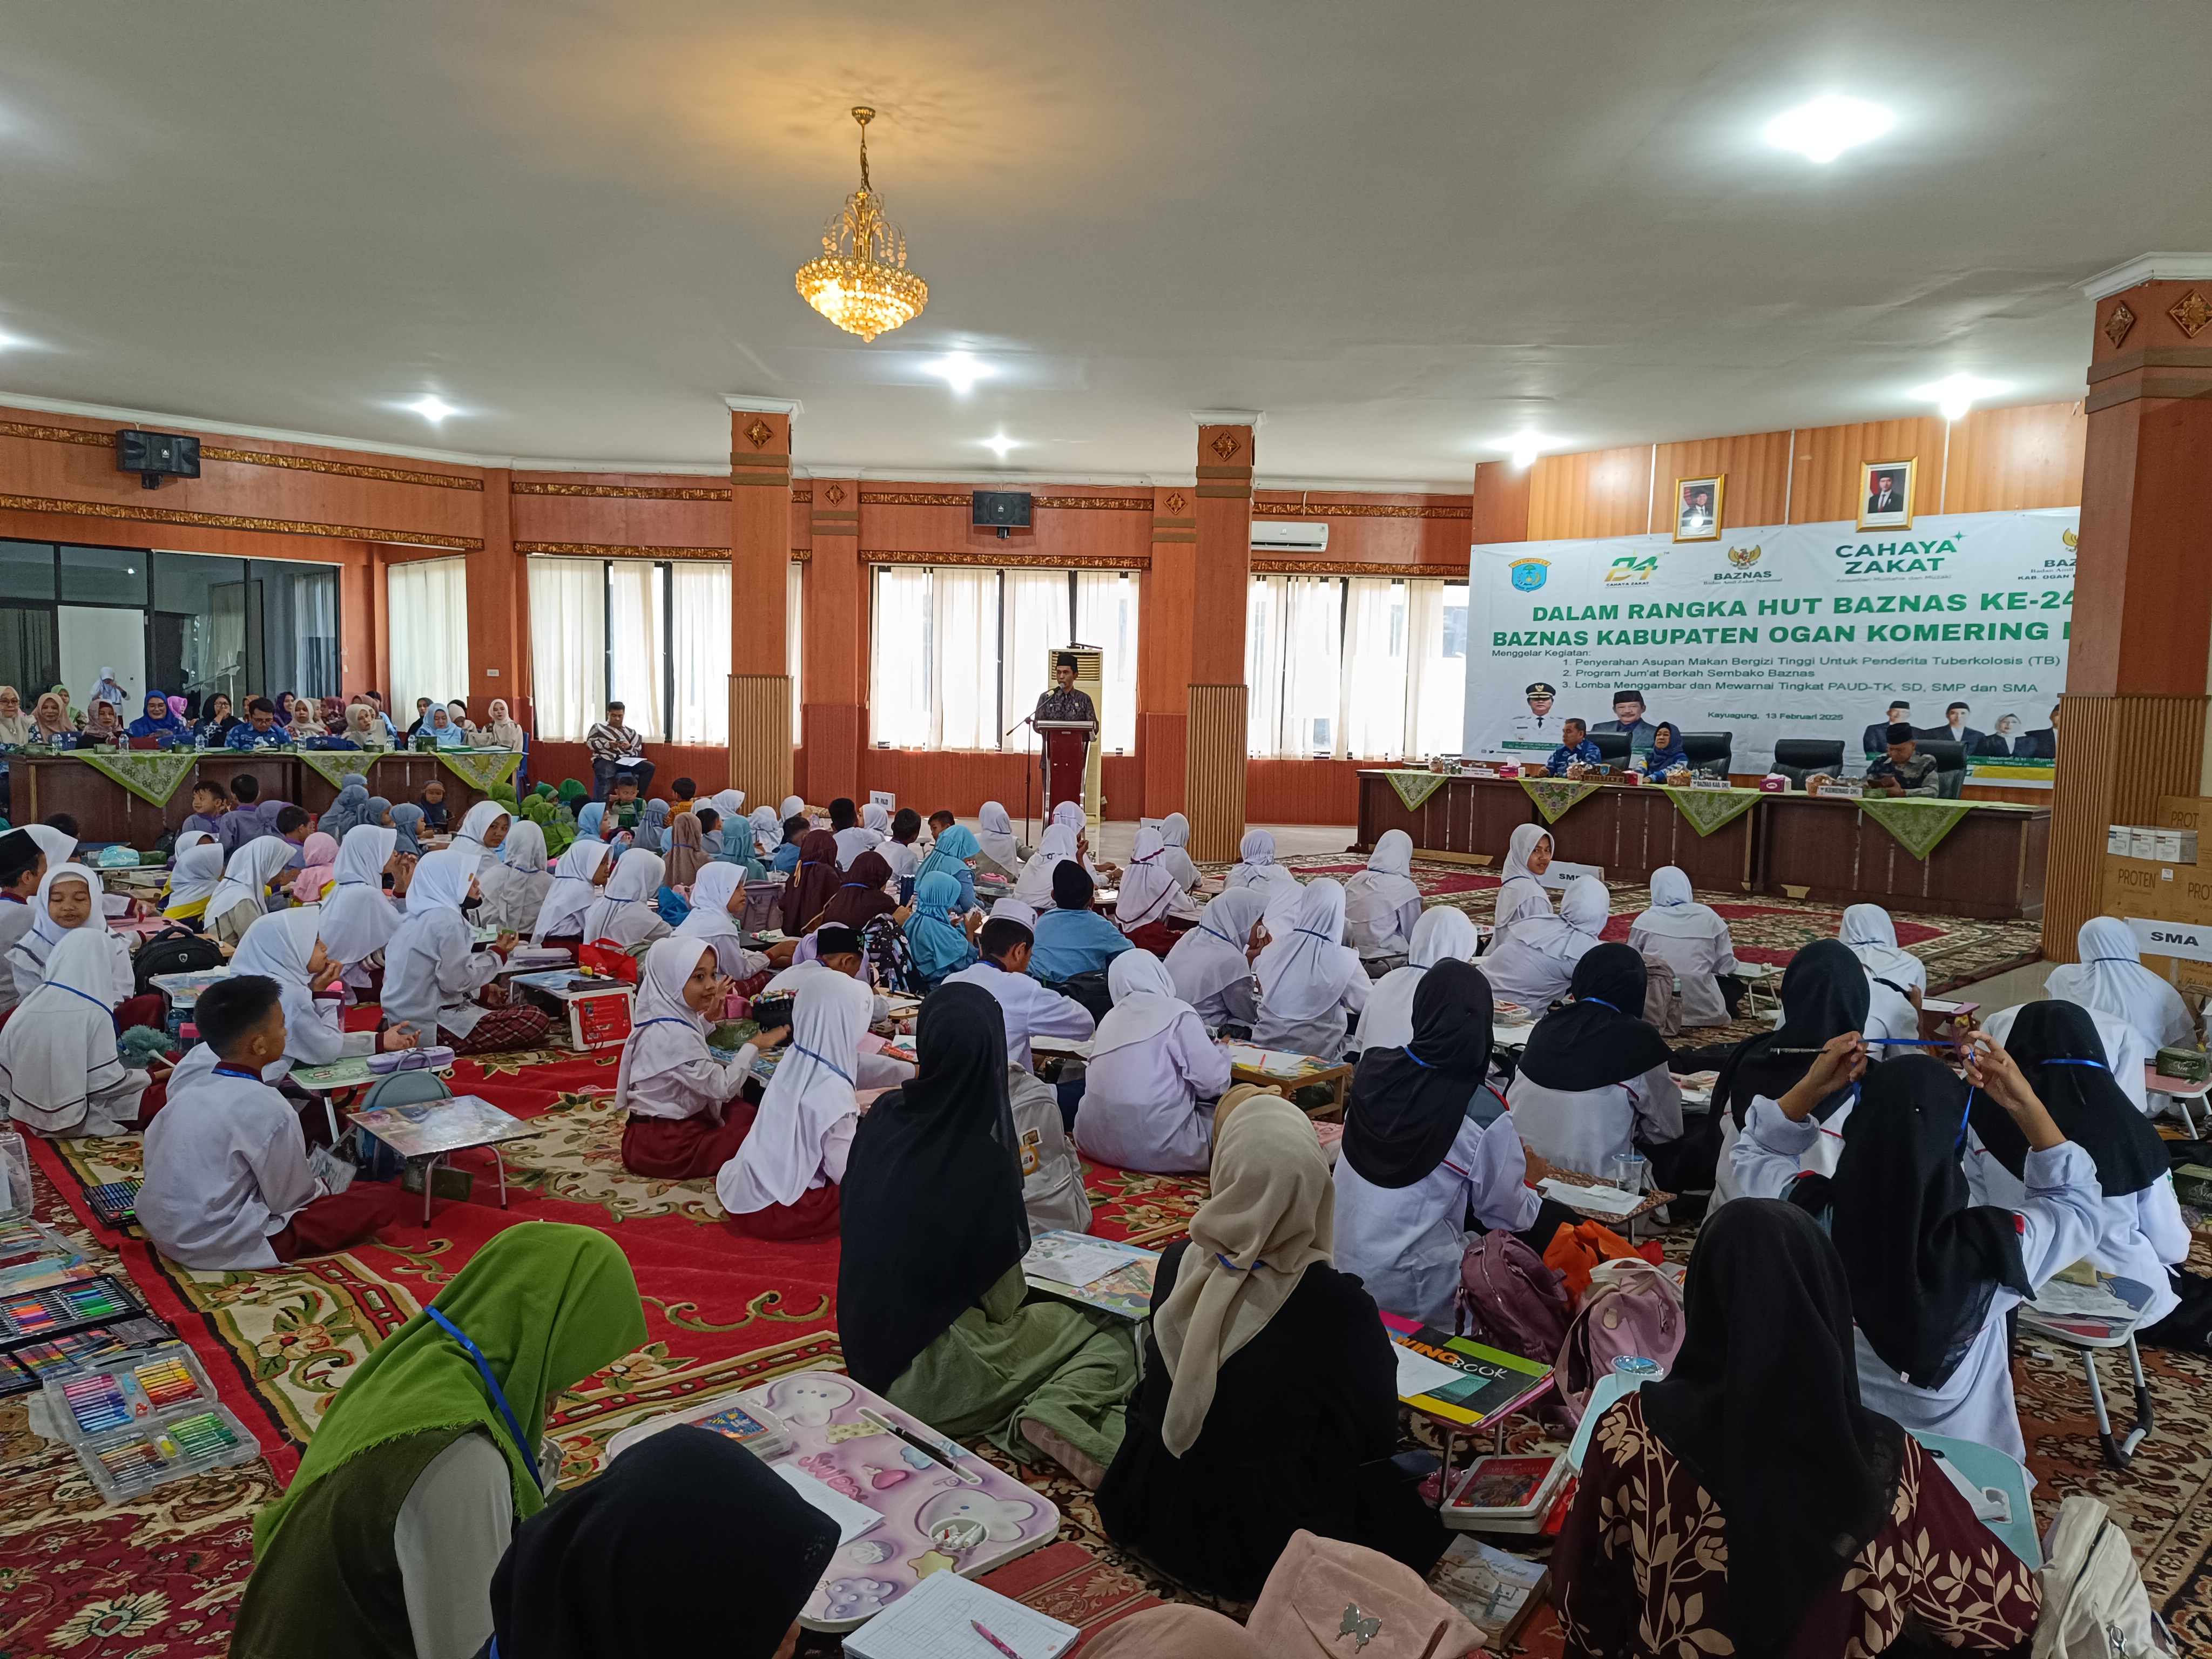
(977, 1626)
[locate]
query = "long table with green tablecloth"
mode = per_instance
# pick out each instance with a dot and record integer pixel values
(135, 794)
(1957, 858)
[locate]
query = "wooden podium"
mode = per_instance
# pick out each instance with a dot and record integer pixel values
(1066, 747)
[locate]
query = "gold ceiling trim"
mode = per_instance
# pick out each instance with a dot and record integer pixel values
(1353, 510)
(625, 492)
(353, 532)
(615, 551)
(1276, 567)
(95, 440)
(1132, 562)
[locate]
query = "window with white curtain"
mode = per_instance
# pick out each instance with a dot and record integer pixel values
(429, 616)
(637, 643)
(567, 646)
(793, 635)
(959, 653)
(1365, 667)
(699, 651)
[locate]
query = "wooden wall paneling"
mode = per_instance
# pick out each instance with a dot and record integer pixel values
(604, 509)
(1214, 767)
(1829, 458)
(1500, 503)
(1302, 791)
(1758, 468)
(927, 518)
(1373, 528)
(2007, 459)
(1605, 492)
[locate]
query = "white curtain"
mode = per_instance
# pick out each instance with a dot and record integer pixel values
(567, 646)
(429, 614)
(1263, 664)
(1437, 665)
(315, 628)
(1374, 689)
(637, 642)
(899, 658)
(794, 634)
(965, 647)
(1033, 623)
(1106, 616)
(1313, 661)
(699, 649)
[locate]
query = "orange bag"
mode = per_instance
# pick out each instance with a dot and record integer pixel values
(1575, 1250)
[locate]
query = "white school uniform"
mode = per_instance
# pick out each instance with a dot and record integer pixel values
(1031, 1009)
(851, 843)
(1443, 934)
(1152, 1077)
(356, 920)
(1585, 1129)
(226, 1168)
(35, 946)
(279, 946)
(665, 1071)
(1381, 903)
(1309, 981)
(1521, 896)
(1818, 1158)
(711, 923)
(1535, 965)
(1405, 1243)
(2139, 1235)
(58, 1065)
(432, 969)
(514, 880)
(623, 914)
(1209, 964)
(2059, 1223)
(1692, 940)
(803, 1134)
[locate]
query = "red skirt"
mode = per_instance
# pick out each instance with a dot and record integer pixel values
(815, 1216)
(514, 1026)
(337, 1219)
(1154, 936)
(686, 1148)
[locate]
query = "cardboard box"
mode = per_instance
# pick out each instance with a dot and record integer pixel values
(2175, 846)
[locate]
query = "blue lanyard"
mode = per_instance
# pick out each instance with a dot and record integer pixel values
(87, 996)
(1232, 1267)
(498, 1394)
(2097, 1064)
(812, 1056)
(1408, 1052)
(233, 1071)
(1600, 1002)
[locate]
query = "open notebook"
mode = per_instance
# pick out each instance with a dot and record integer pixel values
(937, 1620)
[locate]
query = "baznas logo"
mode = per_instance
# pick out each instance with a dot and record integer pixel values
(2072, 541)
(1744, 557)
(1528, 574)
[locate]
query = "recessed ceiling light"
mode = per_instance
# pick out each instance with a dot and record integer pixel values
(1954, 395)
(432, 408)
(1824, 129)
(999, 444)
(959, 371)
(1525, 447)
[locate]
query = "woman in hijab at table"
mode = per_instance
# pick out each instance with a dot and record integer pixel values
(1270, 1395)
(304, 720)
(15, 725)
(1692, 940)
(2111, 978)
(935, 938)
(1381, 904)
(1776, 1512)
(318, 855)
(351, 807)
(1175, 833)
(59, 1069)
(500, 729)
(1309, 979)
(1535, 964)
(1000, 852)
(1896, 979)
(1212, 963)
(439, 723)
(514, 883)
(49, 720)
(432, 974)
(587, 1576)
(407, 819)
(1521, 896)
(1443, 934)
(158, 719)
(1824, 995)
(1427, 1143)
(1932, 1274)
(950, 858)
(363, 729)
(687, 1114)
(812, 883)
(242, 894)
(385, 1544)
(623, 914)
(1152, 1077)
(1666, 754)
(1034, 888)
(576, 889)
(481, 833)
(357, 921)
(783, 1183)
(2140, 1230)
(103, 722)
(1593, 1082)
(930, 1294)
(192, 882)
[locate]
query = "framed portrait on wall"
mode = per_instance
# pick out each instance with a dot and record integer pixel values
(1885, 494)
(1698, 508)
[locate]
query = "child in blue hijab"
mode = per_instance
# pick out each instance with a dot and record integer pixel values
(956, 845)
(933, 930)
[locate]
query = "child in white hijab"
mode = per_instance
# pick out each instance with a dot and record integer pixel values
(1521, 896)
(1212, 962)
(434, 975)
(59, 1065)
(1536, 964)
(1443, 934)
(357, 920)
(1150, 893)
(1381, 904)
(1035, 887)
(1692, 940)
(624, 912)
(1152, 1077)
(67, 903)
(242, 895)
(719, 886)
(687, 1116)
(1255, 862)
(1896, 979)
(782, 1184)
(1309, 979)
(576, 889)
(1175, 831)
(2111, 979)
(482, 832)
(192, 881)
(994, 833)
(515, 880)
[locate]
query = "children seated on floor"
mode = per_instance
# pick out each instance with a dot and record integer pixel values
(1521, 896)
(1824, 995)
(1150, 895)
(1381, 904)
(998, 852)
(431, 800)
(717, 896)
(357, 920)
(68, 901)
(852, 835)
(782, 1185)
(392, 1529)
(2110, 979)
(1212, 962)
(59, 1068)
(437, 981)
(227, 1181)
(1030, 1008)
(577, 878)
(687, 1116)
(815, 874)
(785, 858)
(242, 895)
(931, 1300)
(1535, 962)
(1071, 938)
(515, 881)
(903, 850)
(287, 949)
(1692, 940)
(211, 805)
(1309, 979)
(1443, 934)
(956, 855)
(1152, 1076)
(941, 932)
(244, 821)
(623, 915)
(1896, 979)
(1593, 1084)
(481, 831)
(22, 868)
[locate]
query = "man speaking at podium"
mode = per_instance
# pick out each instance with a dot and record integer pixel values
(1065, 703)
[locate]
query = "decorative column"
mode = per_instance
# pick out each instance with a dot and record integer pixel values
(1164, 676)
(1214, 740)
(761, 691)
(833, 711)
(499, 607)
(2132, 723)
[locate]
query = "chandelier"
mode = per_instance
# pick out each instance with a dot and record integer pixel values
(861, 283)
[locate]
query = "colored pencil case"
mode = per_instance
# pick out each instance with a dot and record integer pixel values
(431, 1058)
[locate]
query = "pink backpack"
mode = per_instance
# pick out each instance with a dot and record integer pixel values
(1630, 1308)
(1508, 1299)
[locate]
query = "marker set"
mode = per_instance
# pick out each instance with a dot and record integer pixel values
(114, 1204)
(116, 1395)
(143, 1419)
(22, 1368)
(49, 1313)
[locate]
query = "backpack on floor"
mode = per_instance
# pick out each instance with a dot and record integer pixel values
(2095, 1606)
(173, 950)
(1509, 1299)
(1632, 1307)
(1662, 997)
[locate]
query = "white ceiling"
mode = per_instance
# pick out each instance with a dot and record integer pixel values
(1404, 230)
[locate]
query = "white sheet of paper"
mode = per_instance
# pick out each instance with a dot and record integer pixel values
(1419, 1374)
(2064, 1297)
(1080, 1264)
(1606, 1200)
(933, 1621)
(853, 1519)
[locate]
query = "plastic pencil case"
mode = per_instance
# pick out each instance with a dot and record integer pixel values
(129, 1390)
(28, 1364)
(175, 1446)
(48, 1313)
(428, 1058)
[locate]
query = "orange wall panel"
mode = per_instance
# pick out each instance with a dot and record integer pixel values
(1829, 459)
(1302, 791)
(2005, 459)
(1757, 464)
(935, 519)
(1500, 503)
(647, 510)
(1375, 528)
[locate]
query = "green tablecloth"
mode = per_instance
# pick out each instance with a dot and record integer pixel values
(1707, 810)
(1553, 796)
(1919, 824)
(152, 775)
(1414, 787)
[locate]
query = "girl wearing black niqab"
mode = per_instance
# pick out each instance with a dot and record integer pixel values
(929, 1283)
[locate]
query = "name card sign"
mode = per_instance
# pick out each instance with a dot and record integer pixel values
(2186, 941)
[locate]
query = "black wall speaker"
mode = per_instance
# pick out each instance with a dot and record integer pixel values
(1001, 510)
(155, 456)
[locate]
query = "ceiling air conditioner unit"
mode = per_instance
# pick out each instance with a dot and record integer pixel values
(1282, 536)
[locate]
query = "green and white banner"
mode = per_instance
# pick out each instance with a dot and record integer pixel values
(1780, 631)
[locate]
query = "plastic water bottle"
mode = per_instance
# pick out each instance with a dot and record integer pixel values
(1635, 1368)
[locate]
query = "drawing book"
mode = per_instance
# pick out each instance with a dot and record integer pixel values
(1096, 1272)
(1489, 1384)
